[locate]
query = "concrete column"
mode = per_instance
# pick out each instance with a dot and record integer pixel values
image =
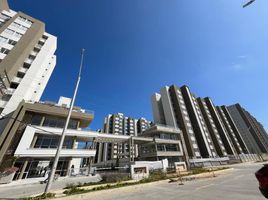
(34, 141)
(132, 149)
(155, 146)
(42, 121)
(69, 168)
(74, 143)
(23, 169)
(130, 159)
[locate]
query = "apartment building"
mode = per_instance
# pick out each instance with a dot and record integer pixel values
(142, 125)
(169, 108)
(26, 58)
(208, 131)
(169, 148)
(232, 130)
(251, 130)
(33, 133)
(204, 105)
(119, 124)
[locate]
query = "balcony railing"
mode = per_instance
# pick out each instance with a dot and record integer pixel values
(16, 80)
(75, 108)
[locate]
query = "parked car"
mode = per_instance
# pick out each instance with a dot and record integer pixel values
(262, 176)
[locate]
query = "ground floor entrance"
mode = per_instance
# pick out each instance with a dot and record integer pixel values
(34, 168)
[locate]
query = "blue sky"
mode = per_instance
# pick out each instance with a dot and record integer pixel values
(133, 48)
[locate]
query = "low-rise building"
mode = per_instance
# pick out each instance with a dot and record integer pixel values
(169, 148)
(32, 136)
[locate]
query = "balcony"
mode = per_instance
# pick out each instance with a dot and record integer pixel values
(42, 40)
(2, 103)
(38, 46)
(10, 91)
(16, 80)
(23, 70)
(34, 53)
(45, 153)
(28, 61)
(2, 56)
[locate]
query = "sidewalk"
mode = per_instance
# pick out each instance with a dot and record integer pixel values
(31, 181)
(30, 187)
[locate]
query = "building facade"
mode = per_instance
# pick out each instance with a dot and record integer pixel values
(26, 58)
(177, 107)
(32, 136)
(119, 124)
(208, 130)
(251, 130)
(208, 110)
(169, 148)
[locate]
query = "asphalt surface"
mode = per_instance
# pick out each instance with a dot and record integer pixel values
(237, 184)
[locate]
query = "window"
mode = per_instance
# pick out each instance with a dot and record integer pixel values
(191, 131)
(197, 154)
(183, 106)
(4, 17)
(53, 122)
(26, 65)
(9, 31)
(19, 35)
(14, 85)
(20, 74)
(3, 39)
(12, 42)
(44, 37)
(51, 142)
(186, 118)
(31, 57)
(4, 50)
(23, 19)
(188, 124)
(36, 120)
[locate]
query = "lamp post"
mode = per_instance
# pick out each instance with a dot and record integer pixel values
(248, 3)
(55, 163)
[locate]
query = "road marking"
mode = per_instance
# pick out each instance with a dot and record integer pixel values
(204, 186)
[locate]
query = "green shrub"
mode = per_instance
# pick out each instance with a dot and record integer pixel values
(199, 170)
(39, 197)
(73, 190)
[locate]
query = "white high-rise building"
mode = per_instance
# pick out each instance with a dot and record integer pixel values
(26, 58)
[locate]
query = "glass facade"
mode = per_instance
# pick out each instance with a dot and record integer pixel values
(51, 142)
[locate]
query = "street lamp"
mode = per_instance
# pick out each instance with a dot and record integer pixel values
(55, 163)
(248, 3)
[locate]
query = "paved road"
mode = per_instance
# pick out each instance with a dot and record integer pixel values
(237, 184)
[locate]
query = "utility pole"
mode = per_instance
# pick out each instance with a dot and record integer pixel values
(55, 163)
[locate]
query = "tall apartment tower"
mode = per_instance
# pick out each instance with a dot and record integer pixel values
(208, 130)
(233, 133)
(208, 110)
(119, 124)
(169, 108)
(142, 125)
(252, 131)
(26, 58)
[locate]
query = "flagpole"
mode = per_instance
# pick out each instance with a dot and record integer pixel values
(56, 160)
